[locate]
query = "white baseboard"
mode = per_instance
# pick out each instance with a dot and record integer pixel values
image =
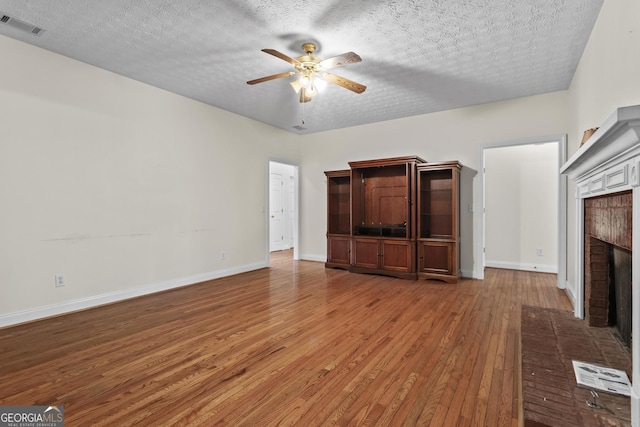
(525, 267)
(467, 273)
(568, 288)
(309, 257)
(635, 408)
(111, 297)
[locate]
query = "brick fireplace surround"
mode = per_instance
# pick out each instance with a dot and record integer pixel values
(607, 221)
(606, 172)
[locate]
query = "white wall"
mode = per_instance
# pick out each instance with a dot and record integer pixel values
(521, 203)
(607, 77)
(121, 187)
(448, 135)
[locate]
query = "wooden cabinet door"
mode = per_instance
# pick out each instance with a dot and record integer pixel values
(396, 255)
(436, 257)
(339, 250)
(365, 253)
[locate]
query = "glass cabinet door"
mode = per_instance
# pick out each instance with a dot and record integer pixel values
(436, 204)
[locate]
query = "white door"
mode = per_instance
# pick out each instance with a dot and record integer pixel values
(276, 207)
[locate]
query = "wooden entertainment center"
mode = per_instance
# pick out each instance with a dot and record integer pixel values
(395, 216)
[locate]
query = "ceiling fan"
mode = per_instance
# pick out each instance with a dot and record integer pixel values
(312, 69)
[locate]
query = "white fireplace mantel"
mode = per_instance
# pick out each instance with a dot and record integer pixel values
(609, 162)
(613, 146)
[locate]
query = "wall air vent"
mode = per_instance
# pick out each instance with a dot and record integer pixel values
(20, 25)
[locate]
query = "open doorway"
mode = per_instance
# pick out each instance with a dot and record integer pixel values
(283, 207)
(523, 202)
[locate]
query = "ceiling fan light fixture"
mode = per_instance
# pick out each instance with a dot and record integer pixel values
(312, 91)
(319, 84)
(296, 85)
(306, 80)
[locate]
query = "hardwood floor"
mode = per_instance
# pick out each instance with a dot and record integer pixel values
(294, 344)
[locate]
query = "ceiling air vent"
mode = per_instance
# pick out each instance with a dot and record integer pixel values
(298, 127)
(20, 25)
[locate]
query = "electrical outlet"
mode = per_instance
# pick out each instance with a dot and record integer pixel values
(222, 256)
(59, 280)
(539, 252)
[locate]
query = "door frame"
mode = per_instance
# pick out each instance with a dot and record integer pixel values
(479, 255)
(296, 221)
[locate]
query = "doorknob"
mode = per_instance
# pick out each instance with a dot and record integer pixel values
(273, 216)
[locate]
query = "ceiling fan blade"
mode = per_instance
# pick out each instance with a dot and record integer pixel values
(282, 56)
(273, 77)
(345, 83)
(340, 60)
(304, 97)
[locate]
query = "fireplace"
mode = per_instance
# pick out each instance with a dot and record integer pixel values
(606, 172)
(607, 262)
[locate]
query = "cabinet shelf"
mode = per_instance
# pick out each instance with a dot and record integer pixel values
(381, 230)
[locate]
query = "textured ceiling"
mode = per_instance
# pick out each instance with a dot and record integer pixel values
(418, 56)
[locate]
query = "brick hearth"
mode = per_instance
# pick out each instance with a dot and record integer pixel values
(551, 339)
